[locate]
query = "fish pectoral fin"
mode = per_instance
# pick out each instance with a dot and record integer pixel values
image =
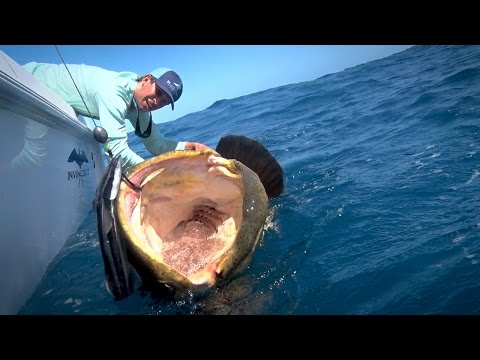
(255, 156)
(118, 271)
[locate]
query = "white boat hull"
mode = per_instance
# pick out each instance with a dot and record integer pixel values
(50, 166)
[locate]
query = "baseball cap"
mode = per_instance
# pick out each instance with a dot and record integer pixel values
(169, 81)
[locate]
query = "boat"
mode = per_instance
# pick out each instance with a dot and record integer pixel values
(50, 167)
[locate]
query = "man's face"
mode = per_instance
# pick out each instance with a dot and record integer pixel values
(149, 96)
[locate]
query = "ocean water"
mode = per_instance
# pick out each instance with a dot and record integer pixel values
(380, 214)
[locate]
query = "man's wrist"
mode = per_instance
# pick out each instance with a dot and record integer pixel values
(181, 145)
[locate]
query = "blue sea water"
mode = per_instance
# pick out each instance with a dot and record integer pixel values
(380, 214)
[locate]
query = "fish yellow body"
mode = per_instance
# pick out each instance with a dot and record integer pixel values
(192, 219)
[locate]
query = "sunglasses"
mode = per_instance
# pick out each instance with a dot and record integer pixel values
(165, 99)
(159, 92)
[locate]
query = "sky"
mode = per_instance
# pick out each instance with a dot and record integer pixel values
(211, 72)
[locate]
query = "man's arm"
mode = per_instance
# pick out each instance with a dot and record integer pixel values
(158, 144)
(112, 110)
(196, 146)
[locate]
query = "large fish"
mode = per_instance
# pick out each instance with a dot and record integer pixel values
(187, 219)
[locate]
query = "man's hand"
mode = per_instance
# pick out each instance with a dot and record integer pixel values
(196, 146)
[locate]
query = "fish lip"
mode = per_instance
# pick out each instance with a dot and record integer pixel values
(208, 282)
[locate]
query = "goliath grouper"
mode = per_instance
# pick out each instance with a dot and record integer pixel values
(187, 219)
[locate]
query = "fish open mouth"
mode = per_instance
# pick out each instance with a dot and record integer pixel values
(187, 219)
(186, 214)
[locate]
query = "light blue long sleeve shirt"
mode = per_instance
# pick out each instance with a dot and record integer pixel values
(108, 96)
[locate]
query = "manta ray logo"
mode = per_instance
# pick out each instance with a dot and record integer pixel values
(79, 158)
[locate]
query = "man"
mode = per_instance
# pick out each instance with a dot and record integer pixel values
(113, 97)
